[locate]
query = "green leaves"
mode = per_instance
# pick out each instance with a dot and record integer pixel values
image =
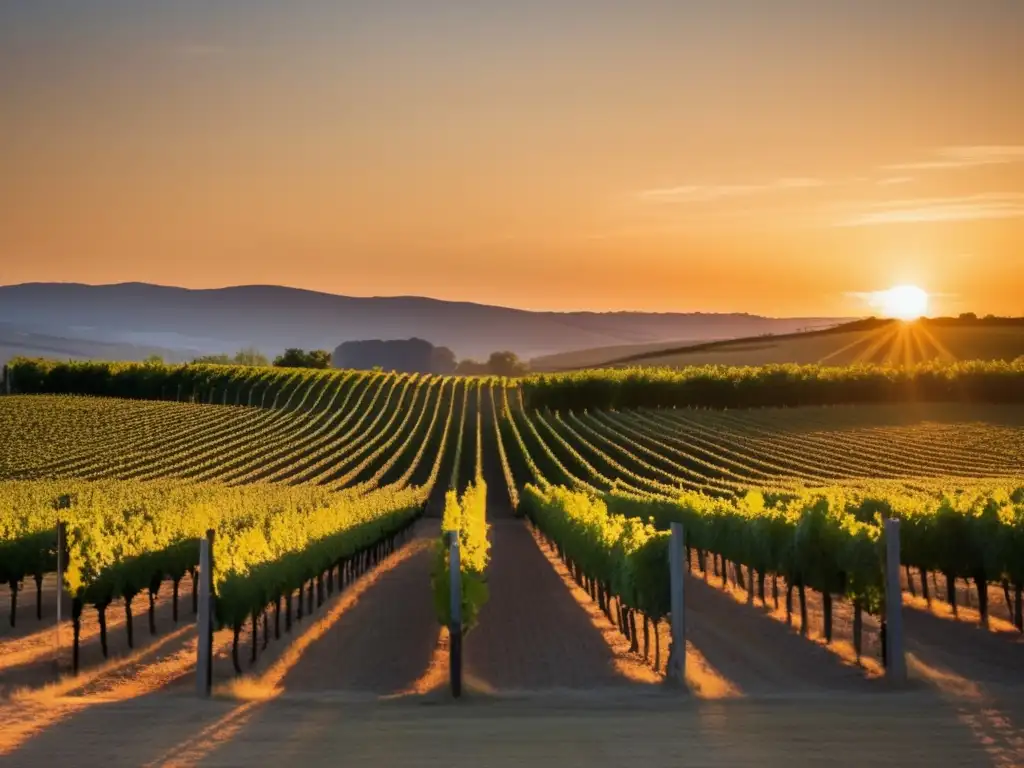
(830, 538)
(264, 555)
(626, 553)
(467, 516)
(123, 535)
(723, 386)
(964, 532)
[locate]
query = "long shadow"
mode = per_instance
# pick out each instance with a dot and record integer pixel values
(30, 660)
(758, 653)
(385, 641)
(777, 733)
(380, 643)
(964, 648)
(144, 731)
(532, 634)
(978, 672)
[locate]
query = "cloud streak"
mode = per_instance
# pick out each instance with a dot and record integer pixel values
(1008, 205)
(960, 157)
(891, 181)
(703, 193)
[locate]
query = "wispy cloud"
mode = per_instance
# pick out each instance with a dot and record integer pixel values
(891, 181)
(702, 193)
(970, 156)
(994, 205)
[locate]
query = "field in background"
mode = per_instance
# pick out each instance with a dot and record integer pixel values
(883, 343)
(540, 636)
(597, 356)
(318, 443)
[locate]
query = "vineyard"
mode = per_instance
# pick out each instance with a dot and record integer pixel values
(314, 485)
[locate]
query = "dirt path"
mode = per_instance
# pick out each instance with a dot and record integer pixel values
(963, 649)
(385, 642)
(28, 652)
(901, 730)
(532, 634)
(758, 654)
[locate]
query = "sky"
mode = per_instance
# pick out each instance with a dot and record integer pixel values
(781, 157)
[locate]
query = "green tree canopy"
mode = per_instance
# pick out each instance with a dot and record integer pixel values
(498, 364)
(245, 356)
(506, 364)
(250, 356)
(220, 359)
(300, 358)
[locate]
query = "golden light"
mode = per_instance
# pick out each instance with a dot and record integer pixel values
(903, 302)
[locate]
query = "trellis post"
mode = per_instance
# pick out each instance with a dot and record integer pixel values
(896, 663)
(455, 609)
(676, 672)
(204, 654)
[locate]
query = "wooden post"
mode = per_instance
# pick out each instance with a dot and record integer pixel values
(61, 567)
(676, 672)
(204, 656)
(455, 628)
(896, 664)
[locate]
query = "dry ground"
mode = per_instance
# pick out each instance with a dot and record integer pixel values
(897, 730)
(548, 681)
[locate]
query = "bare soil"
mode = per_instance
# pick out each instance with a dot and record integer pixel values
(549, 680)
(532, 634)
(900, 730)
(31, 654)
(385, 641)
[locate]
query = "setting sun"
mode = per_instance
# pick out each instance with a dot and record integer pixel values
(904, 302)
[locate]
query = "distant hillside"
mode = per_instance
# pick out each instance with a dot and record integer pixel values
(599, 356)
(19, 343)
(273, 318)
(866, 341)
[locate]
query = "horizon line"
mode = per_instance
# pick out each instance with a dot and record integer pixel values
(735, 313)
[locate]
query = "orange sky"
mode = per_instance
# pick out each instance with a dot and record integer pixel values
(744, 155)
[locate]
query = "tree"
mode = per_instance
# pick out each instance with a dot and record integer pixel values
(402, 355)
(470, 367)
(299, 358)
(154, 359)
(506, 364)
(246, 356)
(443, 361)
(220, 359)
(498, 364)
(250, 356)
(319, 358)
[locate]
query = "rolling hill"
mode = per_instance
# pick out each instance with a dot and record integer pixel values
(867, 341)
(16, 342)
(185, 322)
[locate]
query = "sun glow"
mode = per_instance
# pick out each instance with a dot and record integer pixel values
(903, 302)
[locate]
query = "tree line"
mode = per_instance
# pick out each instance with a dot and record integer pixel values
(420, 356)
(400, 355)
(291, 358)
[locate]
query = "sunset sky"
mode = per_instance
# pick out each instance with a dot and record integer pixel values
(781, 157)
